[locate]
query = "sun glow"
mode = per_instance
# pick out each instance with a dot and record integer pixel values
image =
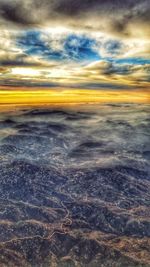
(25, 72)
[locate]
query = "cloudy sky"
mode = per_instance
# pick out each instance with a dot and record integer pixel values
(74, 44)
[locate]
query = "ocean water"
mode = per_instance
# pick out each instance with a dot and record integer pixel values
(75, 186)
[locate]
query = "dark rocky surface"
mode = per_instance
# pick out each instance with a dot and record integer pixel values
(75, 187)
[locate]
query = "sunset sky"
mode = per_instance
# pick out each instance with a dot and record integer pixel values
(74, 51)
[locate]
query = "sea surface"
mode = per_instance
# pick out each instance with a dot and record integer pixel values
(75, 186)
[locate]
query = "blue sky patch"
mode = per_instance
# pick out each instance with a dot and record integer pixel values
(81, 48)
(33, 44)
(74, 47)
(133, 61)
(113, 47)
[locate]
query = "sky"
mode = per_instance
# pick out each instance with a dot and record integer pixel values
(75, 46)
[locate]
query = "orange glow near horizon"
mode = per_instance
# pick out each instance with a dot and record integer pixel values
(68, 96)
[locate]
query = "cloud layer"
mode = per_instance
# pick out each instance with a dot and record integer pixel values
(75, 43)
(118, 17)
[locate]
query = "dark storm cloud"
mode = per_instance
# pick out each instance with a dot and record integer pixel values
(120, 15)
(11, 63)
(27, 84)
(25, 12)
(110, 68)
(18, 60)
(14, 12)
(74, 7)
